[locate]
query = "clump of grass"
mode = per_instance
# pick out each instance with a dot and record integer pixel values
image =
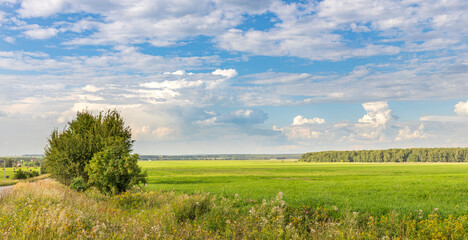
(49, 210)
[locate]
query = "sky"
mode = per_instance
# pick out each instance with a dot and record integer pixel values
(214, 76)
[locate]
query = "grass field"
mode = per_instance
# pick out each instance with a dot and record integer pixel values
(364, 187)
(9, 172)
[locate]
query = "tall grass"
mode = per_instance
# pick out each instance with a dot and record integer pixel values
(49, 210)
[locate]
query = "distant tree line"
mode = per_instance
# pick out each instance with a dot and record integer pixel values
(13, 161)
(390, 155)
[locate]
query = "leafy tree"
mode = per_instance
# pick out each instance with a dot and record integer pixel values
(68, 152)
(114, 169)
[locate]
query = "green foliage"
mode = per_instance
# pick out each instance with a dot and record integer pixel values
(390, 155)
(20, 174)
(114, 170)
(191, 208)
(7, 162)
(69, 151)
(78, 184)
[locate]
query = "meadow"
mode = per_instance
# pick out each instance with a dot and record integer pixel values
(250, 200)
(375, 188)
(9, 173)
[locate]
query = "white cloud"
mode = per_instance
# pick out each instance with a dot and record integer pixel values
(300, 120)
(461, 108)
(435, 118)
(159, 22)
(41, 33)
(31, 8)
(378, 114)
(91, 88)
(162, 132)
(178, 73)
(177, 84)
(208, 122)
(229, 73)
(9, 39)
(120, 59)
(299, 133)
(407, 134)
(311, 30)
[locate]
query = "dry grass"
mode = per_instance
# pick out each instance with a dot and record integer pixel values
(48, 210)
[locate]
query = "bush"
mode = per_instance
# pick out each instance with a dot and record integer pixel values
(20, 174)
(114, 170)
(78, 184)
(32, 174)
(69, 152)
(191, 208)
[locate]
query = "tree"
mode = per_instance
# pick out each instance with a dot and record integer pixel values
(69, 152)
(114, 169)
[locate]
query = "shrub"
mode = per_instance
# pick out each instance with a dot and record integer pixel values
(32, 174)
(69, 152)
(191, 208)
(115, 170)
(78, 184)
(20, 174)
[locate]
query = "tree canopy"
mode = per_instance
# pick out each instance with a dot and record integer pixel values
(69, 152)
(390, 155)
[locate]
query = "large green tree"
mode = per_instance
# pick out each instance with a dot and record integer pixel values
(68, 152)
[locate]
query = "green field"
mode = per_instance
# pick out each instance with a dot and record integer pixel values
(365, 187)
(9, 172)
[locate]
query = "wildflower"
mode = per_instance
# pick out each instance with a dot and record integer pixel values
(335, 208)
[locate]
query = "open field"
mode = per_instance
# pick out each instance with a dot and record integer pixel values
(9, 172)
(49, 210)
(363, 187)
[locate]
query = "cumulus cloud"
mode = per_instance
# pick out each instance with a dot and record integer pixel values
(159, 23)
(461, 108)
(300, 120)
(299, 133)
(301, 24)
(41, 33)
(373, 126)
(229, 73)
(378, 114)
(9, 39)
(407, 134)
(91, 88)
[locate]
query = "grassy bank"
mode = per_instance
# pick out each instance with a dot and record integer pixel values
(48, 210)
(375, 188)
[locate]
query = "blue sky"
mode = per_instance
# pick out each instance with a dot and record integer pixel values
(213, 76)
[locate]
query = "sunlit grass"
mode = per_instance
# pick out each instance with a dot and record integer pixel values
(377, 188)
(49, 210)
